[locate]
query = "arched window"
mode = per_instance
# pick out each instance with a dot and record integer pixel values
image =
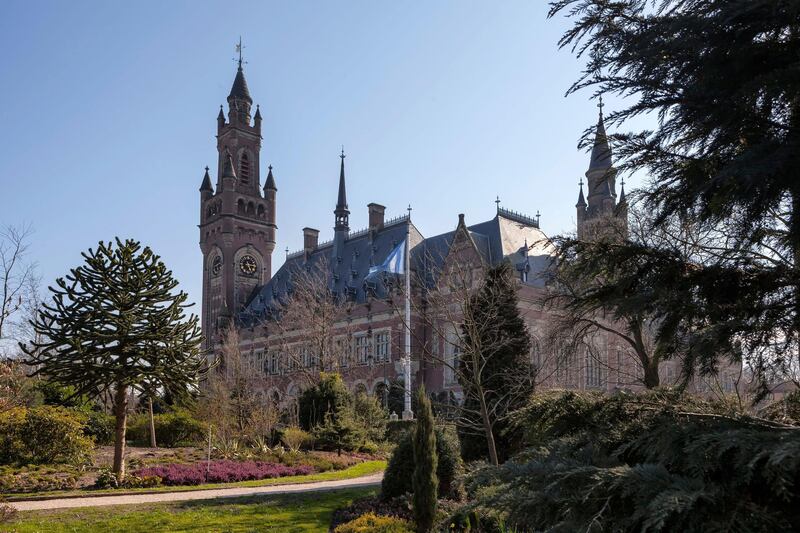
(240, 206)
(244, 168)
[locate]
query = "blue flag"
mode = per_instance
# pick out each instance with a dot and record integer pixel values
(395, 263)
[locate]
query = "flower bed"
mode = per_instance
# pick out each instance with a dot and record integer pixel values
(223, 471)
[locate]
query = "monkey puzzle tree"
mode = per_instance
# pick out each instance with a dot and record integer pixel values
(116, 324)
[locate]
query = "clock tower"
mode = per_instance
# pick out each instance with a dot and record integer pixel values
(237, 218)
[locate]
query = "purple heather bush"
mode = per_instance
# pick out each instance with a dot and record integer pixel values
(222, 471)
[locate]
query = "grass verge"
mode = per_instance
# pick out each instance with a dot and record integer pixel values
(285, 513)
(361, 469)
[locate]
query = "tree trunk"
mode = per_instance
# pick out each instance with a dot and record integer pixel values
(152, 423)
(651, 378)
(121, 413)
(487, 428)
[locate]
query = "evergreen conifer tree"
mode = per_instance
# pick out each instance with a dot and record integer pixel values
(116, 324)
(495, 372)
(719, 78)
(425, 482)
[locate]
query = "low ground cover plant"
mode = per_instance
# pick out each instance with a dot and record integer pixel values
(372, 523)
(662, 461)
(222, 471)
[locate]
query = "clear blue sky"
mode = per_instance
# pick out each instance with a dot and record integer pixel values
(109, 116)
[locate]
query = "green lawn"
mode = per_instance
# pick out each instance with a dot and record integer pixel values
(285, 513)
(357, 470)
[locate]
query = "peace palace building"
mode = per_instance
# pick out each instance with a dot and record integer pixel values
(237, 239)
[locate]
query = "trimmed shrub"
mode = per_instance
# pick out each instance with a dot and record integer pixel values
(176, 428)
(295, 439)
(43, 434)
(223, 471)
(450, 468)
(371, 523)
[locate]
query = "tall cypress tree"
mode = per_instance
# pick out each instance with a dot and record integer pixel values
(425, 482)
(495, 368)
(115, 323)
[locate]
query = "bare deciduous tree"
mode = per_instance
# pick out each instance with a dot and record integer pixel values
(232, 400)
(311, 330)
(19, 281)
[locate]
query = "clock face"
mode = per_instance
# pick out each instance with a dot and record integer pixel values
(216, 266)
(248, 265)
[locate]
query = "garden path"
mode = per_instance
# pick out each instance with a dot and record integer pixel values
(206, 494)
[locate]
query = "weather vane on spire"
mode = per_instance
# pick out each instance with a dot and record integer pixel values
(239, 48)
(342, 156)
(600, 105)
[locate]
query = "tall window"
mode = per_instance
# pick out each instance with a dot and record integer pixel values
(244, 168)
(362, 348)
(260, 365)
(594, 369)
(381, 340)
(309, 358)
(344, 349)
(274, 363)
(452, 351)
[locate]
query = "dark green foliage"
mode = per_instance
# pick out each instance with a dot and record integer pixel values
(719, 77)
(449, 469)
(330, 394)
(655, 462)
(339, 421)
(100, 428)
(115, 323)
(495, 365)
(44, 434)
(339, 431)
(370, 416)
(176, 428)
(424, 481)
(53, 393)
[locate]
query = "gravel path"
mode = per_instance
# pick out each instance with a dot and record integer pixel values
(97, 501)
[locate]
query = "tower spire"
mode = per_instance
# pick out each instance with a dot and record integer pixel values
(601, 151)
(206, 185)
(239, 100)
(581, 199)
(341, 211)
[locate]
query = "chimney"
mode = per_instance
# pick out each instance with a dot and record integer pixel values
(310, 239)
(375, 216)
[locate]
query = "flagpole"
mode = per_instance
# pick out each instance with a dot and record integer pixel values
(408, 414)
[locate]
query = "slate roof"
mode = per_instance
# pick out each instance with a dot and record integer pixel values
(601, 151)
(239, 89)
(507, 236)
